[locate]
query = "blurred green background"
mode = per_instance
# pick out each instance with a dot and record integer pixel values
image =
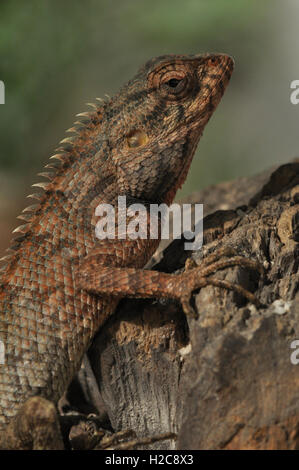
(57, 55)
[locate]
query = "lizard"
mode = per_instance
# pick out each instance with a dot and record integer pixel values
(59, 283)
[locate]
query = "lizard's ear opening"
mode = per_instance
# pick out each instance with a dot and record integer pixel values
(136, 138)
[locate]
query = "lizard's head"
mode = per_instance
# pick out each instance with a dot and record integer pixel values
(156, 120)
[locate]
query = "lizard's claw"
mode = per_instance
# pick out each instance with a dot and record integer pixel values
(226, 251)
(196, 278)
(186, 305)
(114, 443)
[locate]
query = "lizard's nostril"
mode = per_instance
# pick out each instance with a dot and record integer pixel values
(220, 59)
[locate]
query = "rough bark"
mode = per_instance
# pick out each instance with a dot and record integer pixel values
(224, 381)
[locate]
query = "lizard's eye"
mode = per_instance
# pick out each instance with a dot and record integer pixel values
(174, 85)
(174, 82)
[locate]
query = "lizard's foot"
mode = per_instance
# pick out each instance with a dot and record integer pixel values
(86, 435)
(196, 277)
(117, 441)
(35, 427)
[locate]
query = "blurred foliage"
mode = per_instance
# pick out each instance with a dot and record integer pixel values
(47, 47)
(56, 55)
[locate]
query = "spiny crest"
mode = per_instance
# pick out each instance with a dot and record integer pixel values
(65, 151)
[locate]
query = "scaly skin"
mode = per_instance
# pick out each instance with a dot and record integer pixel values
(61, 283)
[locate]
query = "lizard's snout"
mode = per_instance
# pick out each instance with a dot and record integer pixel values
(216, 69)
(219, 61)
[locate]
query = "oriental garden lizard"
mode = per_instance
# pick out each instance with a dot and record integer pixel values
(60, 283)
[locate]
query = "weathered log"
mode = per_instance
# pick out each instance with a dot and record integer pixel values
(226, 380)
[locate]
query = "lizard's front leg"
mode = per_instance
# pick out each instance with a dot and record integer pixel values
(131, 282)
